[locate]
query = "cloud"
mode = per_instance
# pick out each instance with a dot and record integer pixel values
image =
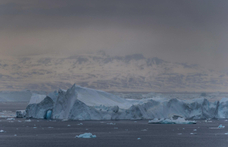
(181, 31)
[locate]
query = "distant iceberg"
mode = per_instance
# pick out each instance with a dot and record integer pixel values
(79, 103)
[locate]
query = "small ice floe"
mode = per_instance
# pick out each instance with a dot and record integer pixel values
(68, 125)
(195, 130)
(15, 134)
(87, 129)
(144, 130)
(193, 133)
(34, 127)
(80, 124)
(111, 123)
(28, 120)
(115, 127)
(138, 138)
(10, 119)
(226, 120)
(86, 135)
(171, 121)
(20, 113)
(221, 126)
(179, 133)
(2, 131)
(65, 120)
(208, 121)
(50, 127)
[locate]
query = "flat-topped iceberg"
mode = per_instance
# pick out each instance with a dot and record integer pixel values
(79, 103)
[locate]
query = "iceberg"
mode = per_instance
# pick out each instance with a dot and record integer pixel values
(86, 135)
(80, 103)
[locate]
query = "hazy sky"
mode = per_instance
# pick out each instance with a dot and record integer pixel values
(194, 31)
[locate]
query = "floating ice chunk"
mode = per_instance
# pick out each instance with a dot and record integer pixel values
(221, 126)
(15, 134)
(28, 120)
(144, 130)
(2, 131)
(10, 119)
(208, 121)
(80, 124)
(179, 133)
(50, 127)
(195, 130)
(111, 123)
(138, 138)
(34, 127)
(86, 135)
(20, 113)
(68, 125)
(193, 133)
(115, 127)
(171, 121)
(226, 133)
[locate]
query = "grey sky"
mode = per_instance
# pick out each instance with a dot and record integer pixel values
(175, 30)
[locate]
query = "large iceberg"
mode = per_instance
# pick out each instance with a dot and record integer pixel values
(79, 103)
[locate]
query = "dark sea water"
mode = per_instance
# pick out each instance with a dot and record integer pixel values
(45, 133)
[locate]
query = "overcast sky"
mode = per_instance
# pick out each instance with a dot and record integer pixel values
(194, 31)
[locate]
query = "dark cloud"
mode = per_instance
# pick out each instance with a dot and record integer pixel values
(183, 31)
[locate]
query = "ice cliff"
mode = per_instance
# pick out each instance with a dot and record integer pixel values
(79, 103)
